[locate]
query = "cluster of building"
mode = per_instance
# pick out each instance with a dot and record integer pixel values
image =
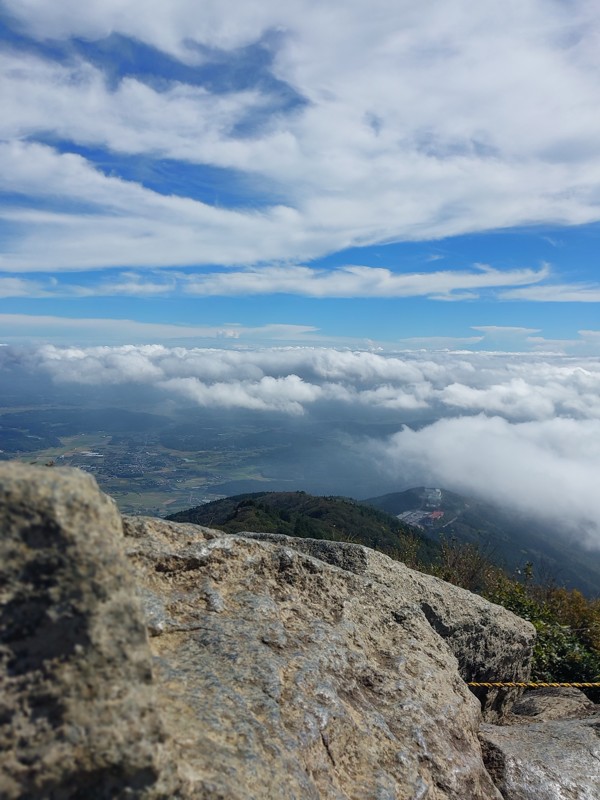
(420, 518)
(424, 517)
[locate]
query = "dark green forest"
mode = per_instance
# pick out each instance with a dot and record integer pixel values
(308, 516)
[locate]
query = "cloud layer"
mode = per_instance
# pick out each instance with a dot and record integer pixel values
(520, 430)
(545, 469)
(410, 123)
(517, 388)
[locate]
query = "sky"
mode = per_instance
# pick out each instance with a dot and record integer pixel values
(389, 174)
(291, 208)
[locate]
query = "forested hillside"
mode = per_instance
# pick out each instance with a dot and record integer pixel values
(509, 539)
(305, 515)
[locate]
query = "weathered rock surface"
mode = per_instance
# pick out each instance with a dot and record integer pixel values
(78, 716)
(554, 760)
(282, 676)
(489, 642)
(540, 705)
(274, 669)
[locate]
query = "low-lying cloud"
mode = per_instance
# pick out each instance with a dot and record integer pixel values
(518, 388)
(546, 469)
(519, 430)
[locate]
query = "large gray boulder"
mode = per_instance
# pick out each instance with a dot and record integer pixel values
(552, 760)
(282, 676)
(489, 642)
(78, 715)
(274, 669)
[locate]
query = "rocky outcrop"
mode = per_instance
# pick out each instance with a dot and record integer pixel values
(489, 643)
(542, 705)
(78, 713)
(548, 749)
(274, 668)
(552, 760)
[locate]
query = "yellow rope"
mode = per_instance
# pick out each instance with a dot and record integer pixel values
(529, 685)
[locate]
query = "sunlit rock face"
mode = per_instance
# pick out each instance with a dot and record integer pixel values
(544, 760)
(281, 675)
(150, 659)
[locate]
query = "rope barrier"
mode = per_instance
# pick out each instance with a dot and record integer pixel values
(530, 685)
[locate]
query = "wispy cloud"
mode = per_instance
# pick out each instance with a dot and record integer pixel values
(19, 327)
(348, 281)
(357, 281)
(19, 287)
(555, 293)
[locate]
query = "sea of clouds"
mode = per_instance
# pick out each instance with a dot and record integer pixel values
(522, 430)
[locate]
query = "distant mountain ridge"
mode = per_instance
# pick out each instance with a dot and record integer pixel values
(505, 538)
(310, 516)
(509, 539)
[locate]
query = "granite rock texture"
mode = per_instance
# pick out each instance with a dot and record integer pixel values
(75, 668)
(141, 658)
(489, 642)
(280, 675)
(552, 760)
(542, 705)
(548, 748)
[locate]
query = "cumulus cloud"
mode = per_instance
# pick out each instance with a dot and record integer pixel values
(413, 125)
(288, 394)
(548, 469)
(518, 388)
(519, 430)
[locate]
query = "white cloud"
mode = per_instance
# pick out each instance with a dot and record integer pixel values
(124, 223)
(519, 388)
(356, 281)
(288, 394)
(547, 469)
(505, 330)
(27, 327)
(18, 287)
(519, 430)
(348, 281)
(78, 105)
(556, 293)
(420, 122)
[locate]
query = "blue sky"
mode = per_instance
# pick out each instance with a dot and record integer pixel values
(396, 176)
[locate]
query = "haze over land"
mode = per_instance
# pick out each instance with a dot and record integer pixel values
(352, 248)
(520, 431)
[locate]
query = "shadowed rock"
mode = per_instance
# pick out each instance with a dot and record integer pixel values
(77, 710)
(542, 705)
